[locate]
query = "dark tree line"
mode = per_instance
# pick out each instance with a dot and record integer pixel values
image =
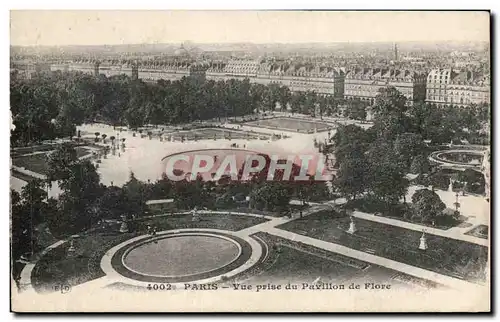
(51, 105)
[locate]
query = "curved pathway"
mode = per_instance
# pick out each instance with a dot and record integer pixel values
(113, 276)
(25, 277)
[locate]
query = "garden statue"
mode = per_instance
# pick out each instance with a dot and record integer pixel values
(71, 249)
(196, 216)
(352, 226)
(423, 241)
(124, 226)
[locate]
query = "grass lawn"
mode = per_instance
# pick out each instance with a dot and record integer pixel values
(56, 268)
(445, 256)
(214, 221)
(293, 262)
(36, 163)
(20, 175)
(291, 124)
(291, 265)
(82, 151)
(480, 231)
(32, 149)
(400, 212)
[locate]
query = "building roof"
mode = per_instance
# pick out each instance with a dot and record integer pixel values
(450, 76)
(386, 74)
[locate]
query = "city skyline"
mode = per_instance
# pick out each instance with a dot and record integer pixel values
(87, 28)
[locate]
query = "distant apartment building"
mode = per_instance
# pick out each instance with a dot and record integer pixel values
(84, 66)
(27, 69)
(88, 67)
(148, 72)
(216, 71)
(458, 88)
(171, 71)
(59, 67)
(323, 80)
(365, 83)
(109, 69)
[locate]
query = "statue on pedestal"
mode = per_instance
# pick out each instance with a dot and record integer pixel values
(352, 226)
(423, 241)
(71, 249)
(196, 216)
(124, 225)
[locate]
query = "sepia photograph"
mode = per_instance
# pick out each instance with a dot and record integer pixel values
(250, 161)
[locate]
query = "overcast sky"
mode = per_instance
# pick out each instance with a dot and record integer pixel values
(132, 27)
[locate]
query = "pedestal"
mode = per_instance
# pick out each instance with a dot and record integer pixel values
(124, 226)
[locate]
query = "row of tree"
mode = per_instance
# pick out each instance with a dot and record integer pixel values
(50, 105)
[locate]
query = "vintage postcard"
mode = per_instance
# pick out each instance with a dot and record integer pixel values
(250, 161)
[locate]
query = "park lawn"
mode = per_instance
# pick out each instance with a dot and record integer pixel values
(21, 176)
(445, 256)
(480, 231)
(36, 163)
(82, 151)
(31, 149)
(213, 221)
(293, 262)
(399, 212)
(56, 268)
(293, 266)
